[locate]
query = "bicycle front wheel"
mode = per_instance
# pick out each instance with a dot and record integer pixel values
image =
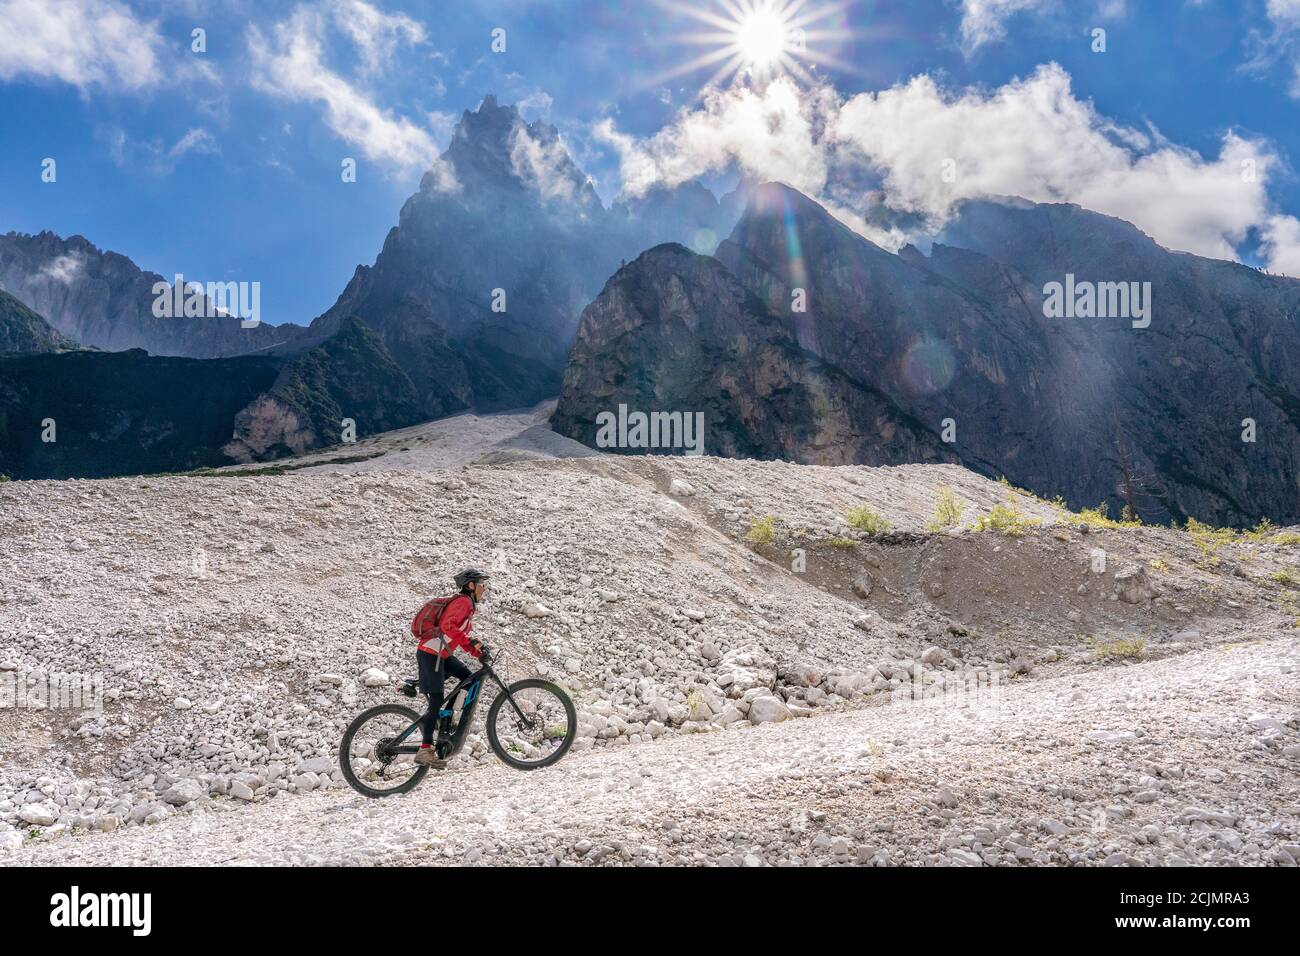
(532, 725)
(372, 759)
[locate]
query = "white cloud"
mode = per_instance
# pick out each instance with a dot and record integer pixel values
(1284, 12)
(1282, 244)
(194, 141)
(536, 104)
(291, 65)
(1035, 139)
(1284, 43)
(81, 42)
(1031, 138)
(63, 269)
(375, 33)
(1112, 9)
(769, 133)
(152, 156)
(984, 21)
(544, 167)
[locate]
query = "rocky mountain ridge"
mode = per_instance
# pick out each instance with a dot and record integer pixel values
(478, 289)
(845, 353)
(101, 299)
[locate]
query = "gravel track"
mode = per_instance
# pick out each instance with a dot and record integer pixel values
(1165, 762)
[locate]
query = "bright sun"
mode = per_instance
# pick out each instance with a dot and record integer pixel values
(759, 39)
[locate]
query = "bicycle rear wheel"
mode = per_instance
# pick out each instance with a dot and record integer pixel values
(540, 732)
(371, 760)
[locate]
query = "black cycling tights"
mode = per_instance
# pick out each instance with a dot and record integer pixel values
(433, 671)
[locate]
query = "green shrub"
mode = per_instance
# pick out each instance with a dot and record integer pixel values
(1265, 529)
(1020, 491)
(762, 530)
(864, 519)
(947, 510)
(1100, 517)
(1131, 648)
(1007, 519)
(1209, 539)
(1267, 532)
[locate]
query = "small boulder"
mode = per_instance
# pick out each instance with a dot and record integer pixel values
(1132, 585)
(38, 815)
(768, 710)
(241, 791)
(183, 792)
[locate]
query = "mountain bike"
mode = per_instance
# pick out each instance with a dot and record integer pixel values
(531, 724)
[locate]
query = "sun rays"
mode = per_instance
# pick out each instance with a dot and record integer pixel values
(759, 40)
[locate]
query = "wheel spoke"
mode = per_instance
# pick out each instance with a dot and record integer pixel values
(537, 729)
(371, 758)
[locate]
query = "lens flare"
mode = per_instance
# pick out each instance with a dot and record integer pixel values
(928, 365)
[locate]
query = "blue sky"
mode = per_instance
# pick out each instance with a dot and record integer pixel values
(226, 164)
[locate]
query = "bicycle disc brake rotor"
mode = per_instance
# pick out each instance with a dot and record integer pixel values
(543, 726)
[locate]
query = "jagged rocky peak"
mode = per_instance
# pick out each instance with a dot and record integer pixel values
(481, 144)
(495, 148)
(525, 220)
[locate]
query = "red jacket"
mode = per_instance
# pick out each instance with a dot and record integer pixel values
(453, 629)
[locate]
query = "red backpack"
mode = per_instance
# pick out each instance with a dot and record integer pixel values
(425, 626)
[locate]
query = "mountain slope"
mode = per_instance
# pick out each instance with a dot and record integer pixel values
(478, 289)
(121, 413)
(22, 331)
(103, 300)
(912, 346)
(349, 377)
(675, 331)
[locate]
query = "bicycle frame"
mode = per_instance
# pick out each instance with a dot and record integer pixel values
(472, 686)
